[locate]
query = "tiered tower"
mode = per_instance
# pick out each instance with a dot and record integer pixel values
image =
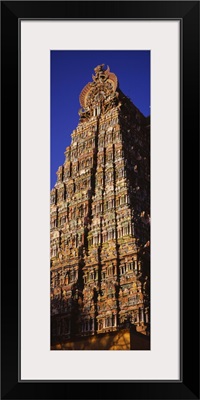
(100, 207)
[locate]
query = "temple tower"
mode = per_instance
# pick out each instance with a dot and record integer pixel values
(100, 217)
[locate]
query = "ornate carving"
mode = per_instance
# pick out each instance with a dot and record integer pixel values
(99, 93)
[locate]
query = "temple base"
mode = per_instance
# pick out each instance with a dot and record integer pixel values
(126, 339)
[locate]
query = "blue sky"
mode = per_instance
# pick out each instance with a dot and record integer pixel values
(72, 70)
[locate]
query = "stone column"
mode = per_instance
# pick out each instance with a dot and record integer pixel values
(138, 316)
(146, 316)
(142, 314)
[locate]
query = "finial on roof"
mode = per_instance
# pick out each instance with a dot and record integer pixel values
(102, 76)
(99, 68)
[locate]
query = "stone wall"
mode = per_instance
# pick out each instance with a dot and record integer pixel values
(121, 340)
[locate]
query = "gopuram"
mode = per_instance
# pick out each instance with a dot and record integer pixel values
(100, 220)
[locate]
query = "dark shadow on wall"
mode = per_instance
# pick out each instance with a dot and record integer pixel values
(126, 339)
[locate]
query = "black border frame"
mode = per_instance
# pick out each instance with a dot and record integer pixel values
(188, 13)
